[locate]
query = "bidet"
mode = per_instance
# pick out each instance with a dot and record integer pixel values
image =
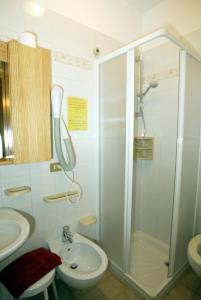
(83, 262)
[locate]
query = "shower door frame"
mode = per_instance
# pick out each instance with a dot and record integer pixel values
(178, 164)
(129, 50)
(130, 92)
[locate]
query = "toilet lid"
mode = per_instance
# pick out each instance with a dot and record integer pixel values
(193, 248)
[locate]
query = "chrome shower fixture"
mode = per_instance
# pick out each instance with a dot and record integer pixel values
(140, 112)
(153, 84)
(139, 58)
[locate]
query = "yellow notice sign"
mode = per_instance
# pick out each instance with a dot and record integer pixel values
(77, 113)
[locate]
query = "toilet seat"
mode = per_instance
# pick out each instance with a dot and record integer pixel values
(193, 255)
(193, 248)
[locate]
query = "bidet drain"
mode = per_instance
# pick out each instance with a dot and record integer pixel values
(74, 266)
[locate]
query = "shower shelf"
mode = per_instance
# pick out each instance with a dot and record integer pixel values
(143, 148)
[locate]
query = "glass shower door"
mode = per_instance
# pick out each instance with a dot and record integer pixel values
(113, 75)
(155, 153)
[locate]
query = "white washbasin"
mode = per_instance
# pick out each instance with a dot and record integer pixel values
(14, 230)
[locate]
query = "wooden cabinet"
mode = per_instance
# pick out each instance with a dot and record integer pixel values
(3, 52)
(29, 92)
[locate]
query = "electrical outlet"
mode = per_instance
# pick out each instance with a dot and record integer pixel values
(55, 167)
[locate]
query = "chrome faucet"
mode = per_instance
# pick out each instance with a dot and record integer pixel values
(67, 235)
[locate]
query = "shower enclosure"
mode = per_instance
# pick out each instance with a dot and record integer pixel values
(150, 115)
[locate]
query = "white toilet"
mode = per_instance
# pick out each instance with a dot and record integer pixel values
(83, 262)
(194, 254)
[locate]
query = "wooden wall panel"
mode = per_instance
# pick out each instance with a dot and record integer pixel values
(29, 85)
(3, 51)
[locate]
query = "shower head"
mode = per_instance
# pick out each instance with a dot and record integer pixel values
(153, 84)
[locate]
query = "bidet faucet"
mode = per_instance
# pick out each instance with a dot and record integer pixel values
(67, 235)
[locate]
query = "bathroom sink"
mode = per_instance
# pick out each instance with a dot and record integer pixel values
(14, 230)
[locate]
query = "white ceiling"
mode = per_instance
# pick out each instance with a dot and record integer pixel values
(114, 18)
(143, 5)
(119, 19)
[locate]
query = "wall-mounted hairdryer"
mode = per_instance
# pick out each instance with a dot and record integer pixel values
(69, 163)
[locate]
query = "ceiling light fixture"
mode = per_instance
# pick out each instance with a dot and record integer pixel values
(35, 9)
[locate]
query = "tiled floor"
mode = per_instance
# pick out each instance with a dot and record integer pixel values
(110, 288)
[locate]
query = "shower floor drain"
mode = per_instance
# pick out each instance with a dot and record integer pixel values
(73, 266)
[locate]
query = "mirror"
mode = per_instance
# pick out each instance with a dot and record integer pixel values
(5, 130)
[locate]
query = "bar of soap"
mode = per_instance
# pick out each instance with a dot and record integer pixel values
(88, 220)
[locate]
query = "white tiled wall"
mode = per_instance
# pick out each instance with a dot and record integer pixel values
(58, 34)
(50, 217)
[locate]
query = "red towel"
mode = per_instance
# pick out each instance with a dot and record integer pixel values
(27, 269)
